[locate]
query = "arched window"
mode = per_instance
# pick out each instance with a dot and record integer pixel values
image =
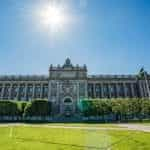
(67, 100)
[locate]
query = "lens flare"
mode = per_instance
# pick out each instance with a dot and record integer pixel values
(53, 17)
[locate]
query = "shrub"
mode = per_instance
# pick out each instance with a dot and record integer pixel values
(37, 108)
(21, 106)
(121, 109)
(9, 108)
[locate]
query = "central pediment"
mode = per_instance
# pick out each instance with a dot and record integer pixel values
(67, 70)
(67, 64)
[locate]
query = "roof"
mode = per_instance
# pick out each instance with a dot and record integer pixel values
(112, 76)
(24, 78)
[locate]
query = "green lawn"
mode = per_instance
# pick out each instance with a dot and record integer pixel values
(44, 138)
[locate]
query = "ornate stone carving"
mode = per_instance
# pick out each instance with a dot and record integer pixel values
(67, 88)
(67, 63)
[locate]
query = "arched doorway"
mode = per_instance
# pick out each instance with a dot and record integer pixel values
(68, 106)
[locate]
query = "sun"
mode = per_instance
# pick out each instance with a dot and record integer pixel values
(53, 17)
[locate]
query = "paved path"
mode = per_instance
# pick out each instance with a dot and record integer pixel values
(135, 127)
(62, 126)
(138, 127)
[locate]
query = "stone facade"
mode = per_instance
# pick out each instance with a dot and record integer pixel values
(67, 84)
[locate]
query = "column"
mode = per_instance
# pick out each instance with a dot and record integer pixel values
(57, 91)
(125, 89)
(86, 90)
(33, 92)
(49, 90)
(94, 92)
(117, 90)
(10, 90)
(141, 90)
(78, 96)
(102, 92)
(2, 94)
(132, 90)
(26, 88)
(146, 89)
(41, 91)
(109, 90)
(18, 90)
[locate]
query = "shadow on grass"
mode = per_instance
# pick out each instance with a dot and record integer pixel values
(128, 137)
(57, 143)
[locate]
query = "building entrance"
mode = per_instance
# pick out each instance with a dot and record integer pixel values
(68, 107)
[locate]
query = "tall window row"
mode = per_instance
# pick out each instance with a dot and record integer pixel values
(23, 91)
(113, 90)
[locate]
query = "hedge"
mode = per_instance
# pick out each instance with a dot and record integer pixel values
(121, 109)
(10, 108)
(118, 109)
(37, 108)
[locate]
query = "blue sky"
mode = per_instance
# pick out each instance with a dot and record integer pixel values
(109, 36)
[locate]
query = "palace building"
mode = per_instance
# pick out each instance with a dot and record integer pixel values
(67, 84)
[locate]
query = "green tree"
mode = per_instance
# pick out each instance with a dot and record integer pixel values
(38, 108)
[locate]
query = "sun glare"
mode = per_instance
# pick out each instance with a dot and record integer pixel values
(53, 17)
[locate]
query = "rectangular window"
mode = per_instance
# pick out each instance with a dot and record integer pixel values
(90, 91)
(113, 90)
(120, 90)
(98, 90)
(106, 90)
(128, 88)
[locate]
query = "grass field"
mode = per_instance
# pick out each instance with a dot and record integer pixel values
(43, 137)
